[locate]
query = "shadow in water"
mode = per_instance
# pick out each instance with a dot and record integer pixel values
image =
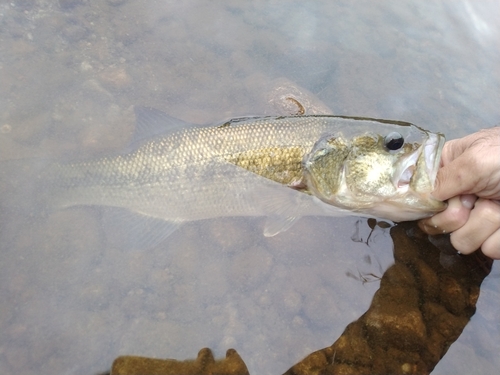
(424, 302)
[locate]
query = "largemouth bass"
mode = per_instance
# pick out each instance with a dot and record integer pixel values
(279, 167)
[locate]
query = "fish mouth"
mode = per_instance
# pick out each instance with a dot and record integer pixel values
(422, 164)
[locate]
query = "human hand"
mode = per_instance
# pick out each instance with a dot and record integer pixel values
(469, 178)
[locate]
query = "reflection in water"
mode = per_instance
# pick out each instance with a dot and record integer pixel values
(421, 308)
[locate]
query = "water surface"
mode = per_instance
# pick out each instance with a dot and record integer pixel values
(70, 71)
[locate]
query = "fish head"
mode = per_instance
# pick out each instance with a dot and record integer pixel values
(388, 172)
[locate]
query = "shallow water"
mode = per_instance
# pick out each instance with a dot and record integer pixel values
(70, 70)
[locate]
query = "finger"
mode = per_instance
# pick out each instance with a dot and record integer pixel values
(456, 177)
(451, 219)
(484, 221)
(454, 148)
(462, 158)
(491, 247)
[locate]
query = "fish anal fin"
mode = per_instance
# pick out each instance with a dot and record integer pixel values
(136, 230)
(277, 224)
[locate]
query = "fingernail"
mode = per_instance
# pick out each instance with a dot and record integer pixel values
(468, 200)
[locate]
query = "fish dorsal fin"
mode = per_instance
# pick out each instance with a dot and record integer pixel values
(236, 120)
(151, 122)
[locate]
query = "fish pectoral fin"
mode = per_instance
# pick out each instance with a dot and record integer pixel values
(277, 224)
(283, 206)
(134, 230)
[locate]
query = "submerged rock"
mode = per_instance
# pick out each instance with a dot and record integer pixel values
(204, 364)
(421, 308)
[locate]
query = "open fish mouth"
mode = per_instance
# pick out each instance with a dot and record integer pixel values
(423, 162)
(404, 179)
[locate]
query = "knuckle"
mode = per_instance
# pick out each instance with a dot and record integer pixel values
(449, 220)
(462, 244)
(456, 217)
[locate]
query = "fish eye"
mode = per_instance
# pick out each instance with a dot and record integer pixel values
(394, 141)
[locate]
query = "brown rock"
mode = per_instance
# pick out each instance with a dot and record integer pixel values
(352, 346)
(450, 326)
(431, 310)
(315, 363)
(399, 275)
(203, 364)
(397, 325)
(397, 294)
(453, 295)
(428, 279)
(434, 349)
(402, 361)
(406, 252)
(349, 369)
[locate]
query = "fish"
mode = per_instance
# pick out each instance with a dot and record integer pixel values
(280, 167)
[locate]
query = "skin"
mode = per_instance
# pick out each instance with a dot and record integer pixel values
(469, 178)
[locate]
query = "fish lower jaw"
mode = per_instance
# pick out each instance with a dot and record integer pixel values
(401, 211)
(404, 205)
